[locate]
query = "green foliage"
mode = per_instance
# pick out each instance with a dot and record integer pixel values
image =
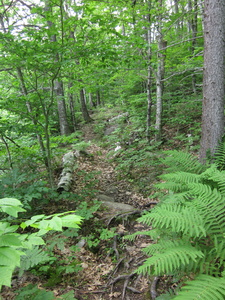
(219, 157)
(100, 234)
(189, 227)
(203, 287)
(13, 245)
(27, 187)
(33, 292)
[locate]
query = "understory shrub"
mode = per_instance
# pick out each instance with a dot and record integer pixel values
(15, 245)
(188, 228)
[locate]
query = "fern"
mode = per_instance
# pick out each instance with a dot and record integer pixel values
(32, 258)
(219, 157)
(204, 287)
(178, 218)
(182, 161)
(190, 226)
(174, 258)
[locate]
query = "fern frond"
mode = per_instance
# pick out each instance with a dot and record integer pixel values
(178, 218)
(204, 287)
(160, 247)
(210, 204)
(32, 258)
(183, 161)
(217, 177)
(181, 177)
(219, 156)
(173, 259)
(176, 187)
(131, 237)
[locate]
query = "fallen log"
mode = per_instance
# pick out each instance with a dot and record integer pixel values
(66, 177)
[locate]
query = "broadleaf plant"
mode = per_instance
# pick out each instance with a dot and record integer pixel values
(13, 245)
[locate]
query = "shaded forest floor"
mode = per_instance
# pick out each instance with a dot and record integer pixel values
(108, 268)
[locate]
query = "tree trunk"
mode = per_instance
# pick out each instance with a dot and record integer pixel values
(98, 97)
(84, 110)
(72, 109)
(213, 81)
(176, 9)
(159, 77)
(92, 103)
(59, 90)
(192, 27)
(149, 80)
(64, 126)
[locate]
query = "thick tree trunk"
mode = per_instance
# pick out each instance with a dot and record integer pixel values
(213, 82)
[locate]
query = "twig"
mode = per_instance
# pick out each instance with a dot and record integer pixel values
(117, 266)
(124, 288)
(135, 291)
(153, 288)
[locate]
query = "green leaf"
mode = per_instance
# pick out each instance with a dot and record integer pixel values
(10, 202)
(11, 206)
(56, 223)
(6, 228)
(10, 240)
(32, 221)
(12, 210)
(71, 221)
(9, 256)
(5, 275)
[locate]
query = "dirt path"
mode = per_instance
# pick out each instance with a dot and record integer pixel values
(108, 270)
(111, 275)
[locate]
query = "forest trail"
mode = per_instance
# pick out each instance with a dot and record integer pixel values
(110, 274)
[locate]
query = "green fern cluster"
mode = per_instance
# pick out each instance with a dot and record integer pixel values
(189, 228)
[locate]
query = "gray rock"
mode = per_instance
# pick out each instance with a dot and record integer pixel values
(118, 207)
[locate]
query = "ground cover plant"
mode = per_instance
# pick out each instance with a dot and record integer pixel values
(188, 227)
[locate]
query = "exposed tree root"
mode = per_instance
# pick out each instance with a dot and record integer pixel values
(153, 288)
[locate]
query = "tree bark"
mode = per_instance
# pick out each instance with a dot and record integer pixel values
(159, 77)
(213, 80)
(84, 110)
(72, 108)
(58, 83)
(98, 97)
(64, 126)
(149, 74)
(192, 27)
